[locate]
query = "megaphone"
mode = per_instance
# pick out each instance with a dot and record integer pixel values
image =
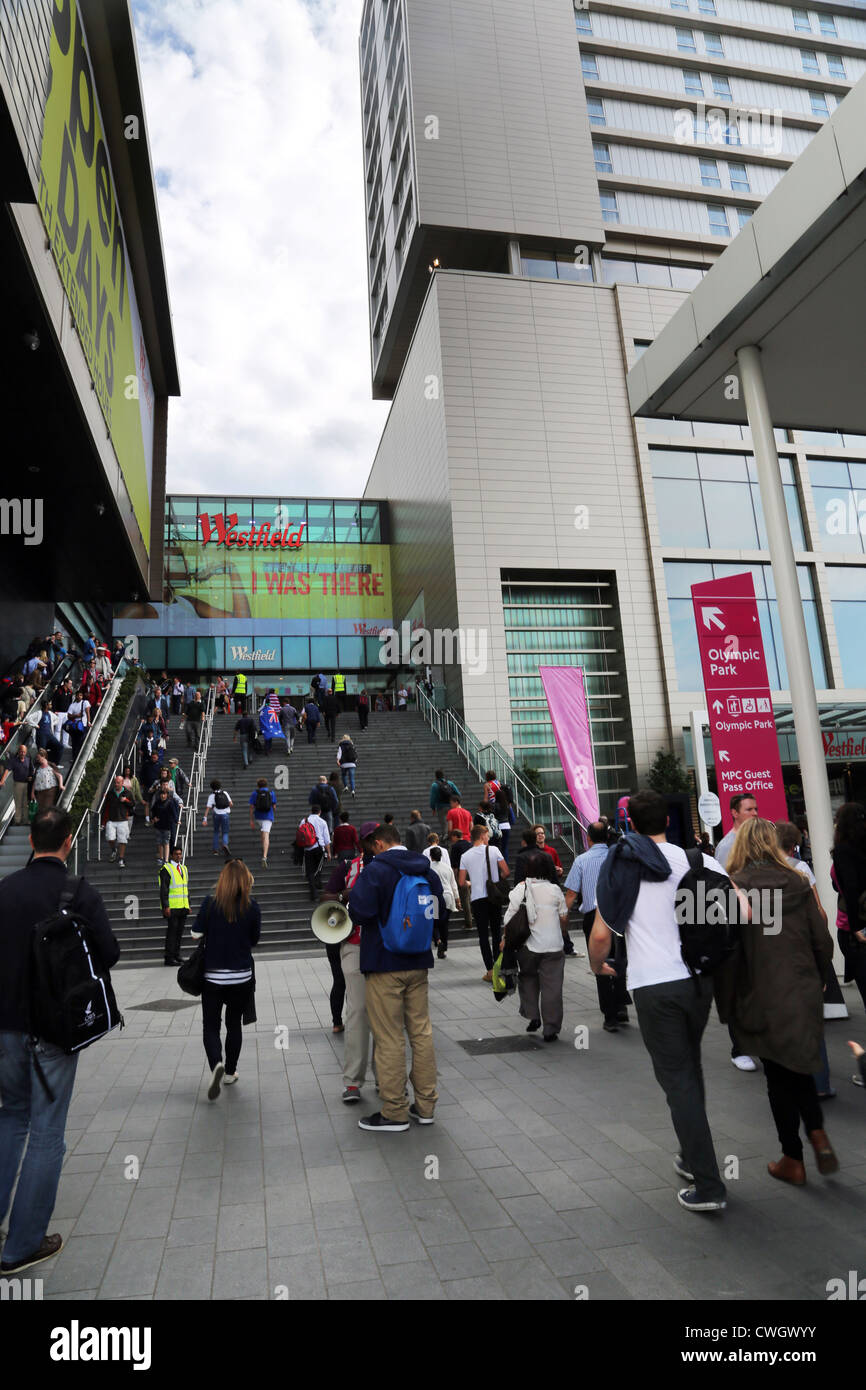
(331, 923)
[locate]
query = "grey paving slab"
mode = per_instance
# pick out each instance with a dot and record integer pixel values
(553, 1168)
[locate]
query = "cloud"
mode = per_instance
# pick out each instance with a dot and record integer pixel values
(253, 116)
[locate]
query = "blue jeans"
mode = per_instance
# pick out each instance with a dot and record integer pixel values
(245, 751)
(221, 830)
(27, 1111)
(349, 778)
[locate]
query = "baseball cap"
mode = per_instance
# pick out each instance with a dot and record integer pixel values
(368, 827)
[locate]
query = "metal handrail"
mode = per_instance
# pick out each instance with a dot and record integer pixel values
(196, 777)
(447, 724)
(76, 772)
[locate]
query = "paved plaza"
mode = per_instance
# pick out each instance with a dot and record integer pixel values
(554, 1163)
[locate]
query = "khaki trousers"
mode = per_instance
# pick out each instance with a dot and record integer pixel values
(397, 1005)
(357, 1034)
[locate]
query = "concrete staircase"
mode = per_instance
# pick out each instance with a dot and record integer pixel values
(397, 755)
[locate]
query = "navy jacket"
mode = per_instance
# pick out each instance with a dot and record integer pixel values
(26, 897)
(370, 902)
(229, 944)
(631, 860)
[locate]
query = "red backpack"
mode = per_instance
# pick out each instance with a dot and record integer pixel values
(306, 836)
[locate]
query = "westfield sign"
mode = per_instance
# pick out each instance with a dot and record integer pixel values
(222, 530)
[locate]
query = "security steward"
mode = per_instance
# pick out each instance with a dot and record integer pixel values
(174, 901)
(239, 691)
(338, 688)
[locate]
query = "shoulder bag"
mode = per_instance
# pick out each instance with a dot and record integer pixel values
(497, 892)
(190, 975)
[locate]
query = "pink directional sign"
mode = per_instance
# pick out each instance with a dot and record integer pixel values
(745, 746)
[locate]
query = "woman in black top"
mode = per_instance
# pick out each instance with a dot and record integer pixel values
(849, 861)
(232, 922)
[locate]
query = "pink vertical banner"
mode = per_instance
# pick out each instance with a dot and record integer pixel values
(566, 699)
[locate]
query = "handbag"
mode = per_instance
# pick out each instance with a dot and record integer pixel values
(190, 975)
(249, 1014)
(497, 892)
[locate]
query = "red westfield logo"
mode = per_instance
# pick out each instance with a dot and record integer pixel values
(222, 530)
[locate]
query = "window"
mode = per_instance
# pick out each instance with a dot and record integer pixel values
(713, 45)
(802, 22)
(718, 220)
(595, 107)
(835, 65)
(589, 65)
(686, 41)
(609, 209)
(679, 4)
(847, 589)
(743, 216)
(654, 273)
(819, 104)
(614, 272)
(827, 25)
(809, 60)
(721, 88)
(640, 346)
(710, 174)
(602, 158)
(686, 277)
(839, 495)
(540, 265)
(692, 82)
(739, 178)
(320, 522)
(707, 6)
(583, 21)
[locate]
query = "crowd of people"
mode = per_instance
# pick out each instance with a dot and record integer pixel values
(401, 888)
(33, 739)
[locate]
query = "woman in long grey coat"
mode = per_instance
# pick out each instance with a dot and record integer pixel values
(772, 992)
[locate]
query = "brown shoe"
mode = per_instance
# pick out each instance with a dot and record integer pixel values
(789, 1170)
(824, 1155)
(51, 1246)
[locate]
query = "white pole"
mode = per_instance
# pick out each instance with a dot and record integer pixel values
(698, 718)
(807, 725)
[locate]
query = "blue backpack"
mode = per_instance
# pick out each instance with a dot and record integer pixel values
(409, 928)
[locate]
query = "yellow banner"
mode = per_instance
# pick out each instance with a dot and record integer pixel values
(78, 202)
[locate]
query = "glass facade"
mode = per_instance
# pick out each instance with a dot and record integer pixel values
(275, 585)
(679, 577)
(847, 587)
(565, 620)
(839, 494)
(712, 500)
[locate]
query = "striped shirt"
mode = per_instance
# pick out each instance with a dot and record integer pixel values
(228, 977)
(583, 875)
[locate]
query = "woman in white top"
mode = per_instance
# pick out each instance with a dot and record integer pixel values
(440, 862)
(542, 959)
(220, 803)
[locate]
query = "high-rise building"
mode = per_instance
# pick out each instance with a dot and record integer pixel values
(545, 184)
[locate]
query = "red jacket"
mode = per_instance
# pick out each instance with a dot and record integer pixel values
(548, 849)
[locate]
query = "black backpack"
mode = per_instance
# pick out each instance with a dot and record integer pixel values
(708, 915)
(348, 754)
(263, 800)
(72, 1001)
(221, 801)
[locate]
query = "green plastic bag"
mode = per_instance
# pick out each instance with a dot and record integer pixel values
(33, 808)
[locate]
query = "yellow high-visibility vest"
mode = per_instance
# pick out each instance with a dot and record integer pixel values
(178, 891)
(339, 685)
(241, 687)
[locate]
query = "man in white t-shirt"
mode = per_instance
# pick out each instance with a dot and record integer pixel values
(635, 896)
(480, 863)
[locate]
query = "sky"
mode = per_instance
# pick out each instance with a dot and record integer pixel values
(253, 116)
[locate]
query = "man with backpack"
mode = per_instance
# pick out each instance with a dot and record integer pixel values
(37, 1074)
(245, 732)
(396, 900)
(263, 805)
(636, 896)
(313, 716)
(313, 840)
(441, 792)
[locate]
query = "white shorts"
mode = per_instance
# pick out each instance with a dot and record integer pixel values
(264, 825)
(117, 830)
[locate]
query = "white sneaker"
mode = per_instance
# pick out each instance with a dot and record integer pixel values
(216, 1080)
(745, 1063)
(230, 1078)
